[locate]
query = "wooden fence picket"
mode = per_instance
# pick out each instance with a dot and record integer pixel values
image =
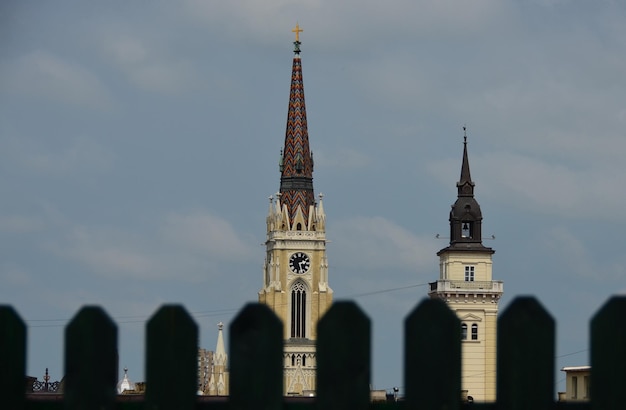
(171, 359)
(525, 356)
(432, 357)
(432, 361)
(90, 360)
(608, 355)
(343, 358)
(12, 358)
(256, 359)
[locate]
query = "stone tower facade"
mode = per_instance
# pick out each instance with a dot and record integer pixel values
(295, 273)
(466, 284)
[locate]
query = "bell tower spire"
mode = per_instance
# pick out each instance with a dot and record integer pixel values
(466, 177)
(295, 273)
(465, 216)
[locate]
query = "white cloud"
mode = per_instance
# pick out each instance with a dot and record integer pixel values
(42, 74)
(61, 158)
(341, 158)
(204, 232)
(375, 243)
(344, 25)
(147, 64)
(185, 247)
(110, 252)
(580, 258)
(17, 224)
(13, 276)
(543, 186)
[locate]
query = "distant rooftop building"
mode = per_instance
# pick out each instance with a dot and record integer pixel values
(205, 370)
(577, 383)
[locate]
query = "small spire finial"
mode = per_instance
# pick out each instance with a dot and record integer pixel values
(296, 44)
(220, 325)
(297, 30)
(464, 134)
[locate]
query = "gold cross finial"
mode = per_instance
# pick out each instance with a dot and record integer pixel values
(297, 30)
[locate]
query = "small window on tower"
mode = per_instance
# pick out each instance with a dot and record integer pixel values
(474, 331)
(469, 274)
(299, 227)
(464, 331)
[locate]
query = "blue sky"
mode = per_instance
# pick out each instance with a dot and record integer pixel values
(139, 142)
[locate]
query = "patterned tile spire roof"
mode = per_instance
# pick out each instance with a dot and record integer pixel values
(296, 164)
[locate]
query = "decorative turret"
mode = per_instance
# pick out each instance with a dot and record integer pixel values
(296, 162)
(465, 215)
(219, 381)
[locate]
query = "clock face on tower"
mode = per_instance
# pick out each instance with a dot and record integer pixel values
(299, 262)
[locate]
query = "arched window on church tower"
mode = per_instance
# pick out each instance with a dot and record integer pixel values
(298, 309)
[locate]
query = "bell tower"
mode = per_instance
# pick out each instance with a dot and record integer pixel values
(295, 273)
(467, 286)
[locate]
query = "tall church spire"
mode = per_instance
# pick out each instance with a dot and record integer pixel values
(296, 164)
(295, 272)
(465, 215)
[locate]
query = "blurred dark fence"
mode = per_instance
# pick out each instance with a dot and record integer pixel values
(432, 361)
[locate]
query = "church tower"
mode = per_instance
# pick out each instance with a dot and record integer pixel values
(295, 273)
(466, 285)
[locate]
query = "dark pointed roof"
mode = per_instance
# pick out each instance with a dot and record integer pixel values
(296, 166)
(465, 185)
(465, 215)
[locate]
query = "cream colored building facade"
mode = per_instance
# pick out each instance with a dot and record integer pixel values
(295, 272)
(466, 284)
(577, 383)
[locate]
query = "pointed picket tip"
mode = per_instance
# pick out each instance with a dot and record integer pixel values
(171, 359)
(525, 356)
(90, 360)
(343, 358)
(12, 358)
(608, 355)
(256, 358)
(432, 356)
